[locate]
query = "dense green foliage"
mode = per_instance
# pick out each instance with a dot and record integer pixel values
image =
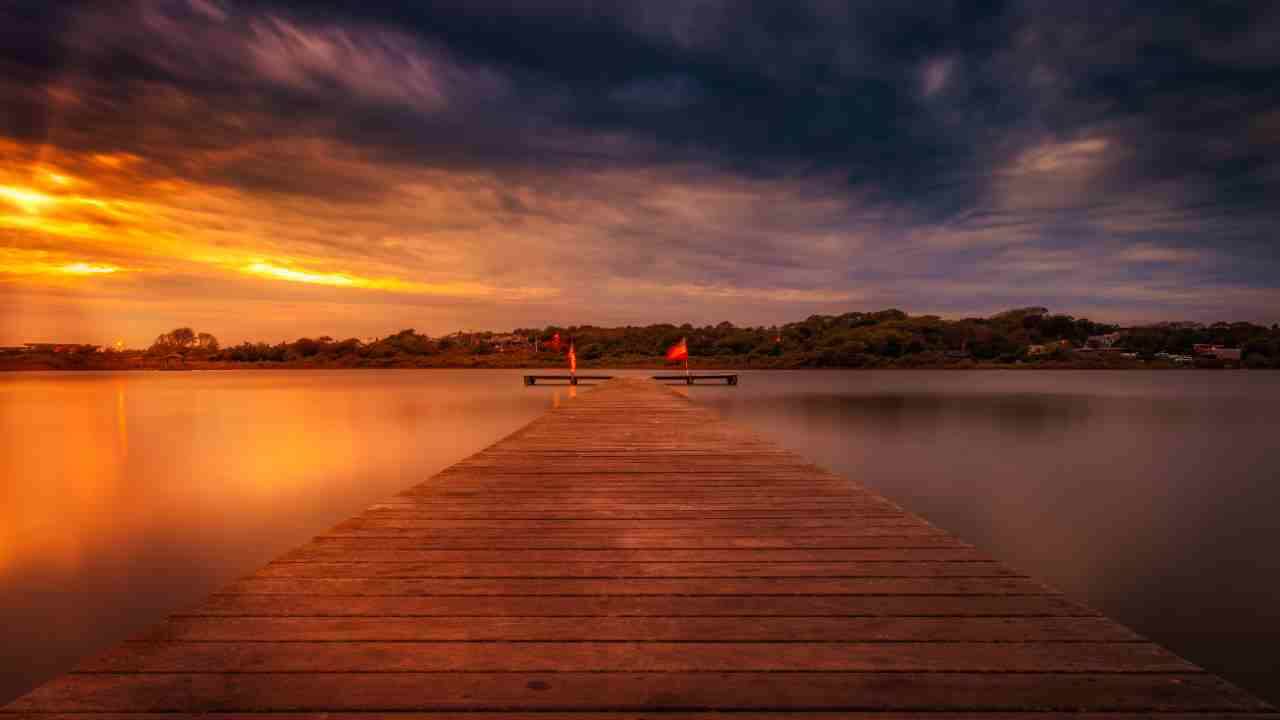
(1029, 337)
(888, 338)
(857, 339)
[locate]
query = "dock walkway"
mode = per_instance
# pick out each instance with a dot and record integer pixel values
(632, 552)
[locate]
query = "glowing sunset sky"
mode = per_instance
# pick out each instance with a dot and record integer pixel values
(268, 170)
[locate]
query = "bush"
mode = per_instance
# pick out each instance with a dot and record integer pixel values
(1256, 361)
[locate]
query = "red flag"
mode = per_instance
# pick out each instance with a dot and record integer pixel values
(573, 359)
(554, 344)
(679, 351)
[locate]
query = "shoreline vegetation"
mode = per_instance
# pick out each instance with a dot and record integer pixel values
(1024, 338)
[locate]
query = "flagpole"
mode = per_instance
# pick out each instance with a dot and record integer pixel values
(687, 377)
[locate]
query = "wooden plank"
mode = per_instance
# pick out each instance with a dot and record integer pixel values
(742, 531)
(725, 569)
(368, 553)
(259, 585)
(665, 561)
(629, 541)
(627, 657)
(499, 692)
(658, 629)
(634, 508)
(678, 526)
(641, 606)
(647, 715)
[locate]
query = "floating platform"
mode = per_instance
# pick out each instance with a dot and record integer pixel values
(695, 379)
(633, 555)
(564, 379)
(699, 378)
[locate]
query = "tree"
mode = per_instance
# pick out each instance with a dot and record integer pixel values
(176, 340)
(184, 340)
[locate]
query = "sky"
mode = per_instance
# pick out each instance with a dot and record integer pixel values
(272, 169)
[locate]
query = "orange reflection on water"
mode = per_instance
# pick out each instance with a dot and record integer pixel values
(63, 479)
(130, 495)
(122, 422)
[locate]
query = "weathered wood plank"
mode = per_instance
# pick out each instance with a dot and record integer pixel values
(725, 569)
(657, 535)
(638, 512)
(642, 606)
(664, 526)
(669, 629)
(498, 692)
(640, 586)
(626, 657)
(647, 715)
(629, 541)
(369, 553)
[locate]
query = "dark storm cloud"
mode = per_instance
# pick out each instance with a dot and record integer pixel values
(849, 85)
(915, 101)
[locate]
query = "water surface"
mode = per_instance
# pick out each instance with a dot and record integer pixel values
(1149, 495)
(126, 496)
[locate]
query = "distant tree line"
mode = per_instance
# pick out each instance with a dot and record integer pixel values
(856, 339)
(887, 338)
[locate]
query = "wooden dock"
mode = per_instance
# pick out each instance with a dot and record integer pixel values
(564, 379)
(699, 378)
(633, 553)
(683, 379)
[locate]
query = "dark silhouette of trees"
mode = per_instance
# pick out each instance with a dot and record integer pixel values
(885, 338)
(184, 340)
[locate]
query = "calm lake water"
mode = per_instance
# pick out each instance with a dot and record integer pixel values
(1151, 496)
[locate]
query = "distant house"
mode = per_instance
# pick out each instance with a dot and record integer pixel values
(461, 338)
(1216, 351)
(1103, 342)
(1048, 348)
(510, 341)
